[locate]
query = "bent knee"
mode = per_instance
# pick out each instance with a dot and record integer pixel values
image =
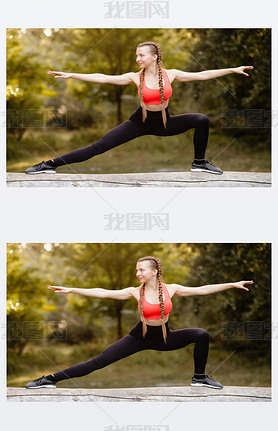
(202, 333)
(202, 118)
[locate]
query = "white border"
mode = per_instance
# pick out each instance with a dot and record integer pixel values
(234, 215)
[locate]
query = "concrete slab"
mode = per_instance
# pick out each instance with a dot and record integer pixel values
(167, 394)
(157, 179)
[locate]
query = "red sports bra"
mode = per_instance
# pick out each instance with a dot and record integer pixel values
(152, 97)
(152, 311)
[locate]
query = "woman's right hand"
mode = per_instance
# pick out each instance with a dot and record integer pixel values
(62, 75)
(60, 289)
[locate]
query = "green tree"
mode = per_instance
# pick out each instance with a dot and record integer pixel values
(225, 48)
(27, 303)
(222, 263)
(26, 87)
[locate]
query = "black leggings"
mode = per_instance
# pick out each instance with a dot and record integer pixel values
(134, 127)
(134, 342)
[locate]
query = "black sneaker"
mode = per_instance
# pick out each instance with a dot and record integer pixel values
(206, 166)
(41, 168)
(206, 381)
(42, 382)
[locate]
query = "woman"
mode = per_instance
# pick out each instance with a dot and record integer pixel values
(152, 332)
(152, 117)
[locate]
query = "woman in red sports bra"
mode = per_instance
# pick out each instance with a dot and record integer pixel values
(152, 117)
(153, 331)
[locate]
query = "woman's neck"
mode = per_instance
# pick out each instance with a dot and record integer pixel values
(152, 70)
(152, 285)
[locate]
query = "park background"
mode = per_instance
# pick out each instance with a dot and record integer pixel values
(47, 117)
(48, 332)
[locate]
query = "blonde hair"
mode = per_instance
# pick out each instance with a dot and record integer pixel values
(155, 264)
(155, 49)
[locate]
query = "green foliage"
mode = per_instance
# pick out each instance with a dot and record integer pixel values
(226, 48)
(26, 87)
(221, 263)
(26, 301)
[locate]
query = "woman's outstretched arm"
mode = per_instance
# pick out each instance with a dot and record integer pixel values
(97, 292)
(179, 75)
(125, 79)
(209, 288)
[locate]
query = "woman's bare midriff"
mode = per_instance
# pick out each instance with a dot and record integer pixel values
(155, 107)
(156, 322)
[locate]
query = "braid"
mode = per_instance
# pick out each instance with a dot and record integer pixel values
(142, 290)
(142, 75)
(155, 48)
(160, 76)
(155, 263)
(160, 290)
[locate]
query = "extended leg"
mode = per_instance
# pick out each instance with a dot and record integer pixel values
(123, 133)
(122, 348)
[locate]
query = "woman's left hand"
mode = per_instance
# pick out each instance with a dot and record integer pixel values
(241, 69)
(241, 284)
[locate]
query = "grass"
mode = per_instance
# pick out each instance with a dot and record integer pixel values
(144, 154)
(143, 369)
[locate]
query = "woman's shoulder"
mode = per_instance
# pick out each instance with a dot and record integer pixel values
(136, 293)
(136, 78)
(171, 289)
(170, 73)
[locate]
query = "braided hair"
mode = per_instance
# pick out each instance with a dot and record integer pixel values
(155, 264)
(155, 49)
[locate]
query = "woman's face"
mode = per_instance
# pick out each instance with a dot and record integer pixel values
(144, 271)
(144, 58)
